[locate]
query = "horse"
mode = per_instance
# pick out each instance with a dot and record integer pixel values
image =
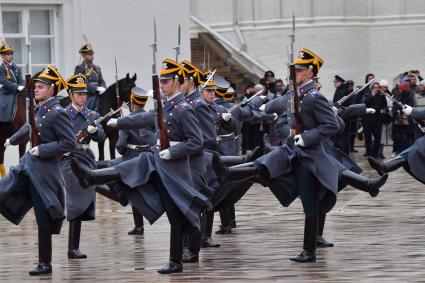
(17, 121)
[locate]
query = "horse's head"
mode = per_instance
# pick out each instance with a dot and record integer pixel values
(125, 85)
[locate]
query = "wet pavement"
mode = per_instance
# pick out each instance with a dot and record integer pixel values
(376, 240)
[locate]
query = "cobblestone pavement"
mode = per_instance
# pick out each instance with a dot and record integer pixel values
(376, 240)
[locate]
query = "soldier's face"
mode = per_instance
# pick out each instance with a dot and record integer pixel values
(167, 86)
(79, 98)
(41, 91)
(185, 87)
(303, 75)
(8, 56)
(208, 95)
(89, 57)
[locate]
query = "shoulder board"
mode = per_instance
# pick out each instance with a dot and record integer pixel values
(314, 92)
(58, 108)
(183, 105)
(94, 113)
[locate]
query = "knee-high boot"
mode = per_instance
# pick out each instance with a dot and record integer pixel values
(225, 227)
(74, 240)
(387, 166)
(88, 177)
(208, 222)
(44, 252)
(175, 265)
(362, 183)
(138, 223)
(321, 241)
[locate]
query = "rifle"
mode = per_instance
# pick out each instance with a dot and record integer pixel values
(117, 91)
(420, 123)
(295, 104)
(99, 120)
(177, 48)
(34, 136)
(339, 103)
(237, 106)
(164, 141)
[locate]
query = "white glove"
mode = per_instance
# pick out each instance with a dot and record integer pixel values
(34, 151)
(262, 108)
(20, 88)
(165, 154)
(275, 116)
(370, 110)
(91, 129)
(7, 143)
(407, 110)
(112, 122)
(100, 89)
(226, 116)
(299, 140)
(263, 97)
(334, 109)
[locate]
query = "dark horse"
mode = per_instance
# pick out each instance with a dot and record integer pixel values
(18, 120)
(107, 101)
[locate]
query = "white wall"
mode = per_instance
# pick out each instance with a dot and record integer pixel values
(385, 37)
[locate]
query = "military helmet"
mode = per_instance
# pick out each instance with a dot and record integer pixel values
(139, 96)
(306, 59)
(171, 70)
(192, 72)
(50, 75)
(77, 83)
(86, 48)
(4, 48)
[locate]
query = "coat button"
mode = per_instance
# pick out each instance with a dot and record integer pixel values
(44, 117)
(39, 125)
(171, 114)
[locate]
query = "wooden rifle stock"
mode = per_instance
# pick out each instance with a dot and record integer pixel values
(164, 141)
(299, 127)
(34, 138)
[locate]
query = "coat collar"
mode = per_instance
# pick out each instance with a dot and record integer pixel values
(170, 104)
(190, 97)
(41, 110)
(74, 112)
(305, 88)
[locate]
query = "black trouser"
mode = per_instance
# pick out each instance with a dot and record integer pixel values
(353, 132)
(179, 223)
(137, 217)
(44, 223)
(372, 129)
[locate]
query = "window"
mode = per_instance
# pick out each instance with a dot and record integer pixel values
(31, 33)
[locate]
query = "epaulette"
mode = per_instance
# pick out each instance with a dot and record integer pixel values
(57, 108)
(94, 114)
(314, 92)
(183, 105)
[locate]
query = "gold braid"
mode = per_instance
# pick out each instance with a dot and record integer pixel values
(7, 71)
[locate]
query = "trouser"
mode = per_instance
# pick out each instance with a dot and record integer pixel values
(137, 217)
(372, 130)
(44, 224)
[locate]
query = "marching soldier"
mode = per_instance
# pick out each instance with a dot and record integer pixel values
(132, 142)
(80, 202)
(37, 180)
(168, 169)
(94, 79)
(11, 82)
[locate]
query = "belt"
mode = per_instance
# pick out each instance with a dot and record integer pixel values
(83, 146)
(230, 136)
(171, 142)
(137, 147)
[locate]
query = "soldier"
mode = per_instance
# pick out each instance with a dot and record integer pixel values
(37, 180)
(94, 79)
(131, 142)
(315, 172)
(412, 158)
(80, 202)
(167, 169)
(11, 82)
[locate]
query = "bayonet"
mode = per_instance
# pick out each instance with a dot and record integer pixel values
(177, 48)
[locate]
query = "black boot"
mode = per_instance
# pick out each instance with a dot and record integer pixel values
(236, 159)
(194, 238)
(102, 164)
(267, 145)
(208, 221)
(310, 240)
(107, 192)
(88, 177)
(44, 253)
(138, 223)
(387, 166)
(225, 227)
(362, 183)
(174, 265)
(321, 242)
(74, 240)
(232, 216)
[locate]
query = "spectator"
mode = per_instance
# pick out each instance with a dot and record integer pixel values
(280, 88)
(420, 95)
(372, 123)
